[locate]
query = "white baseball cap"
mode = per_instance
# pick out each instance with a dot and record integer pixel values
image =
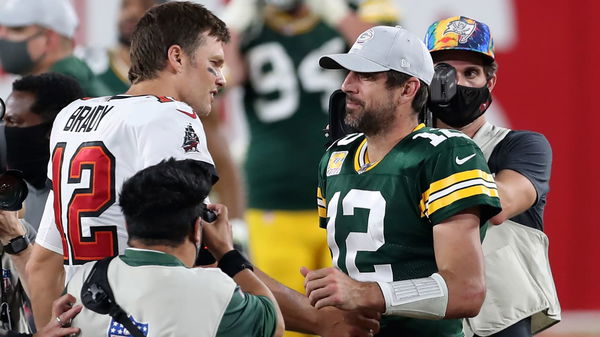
(57, 15)
(384, 48)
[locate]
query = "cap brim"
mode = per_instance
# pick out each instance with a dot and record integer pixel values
(350, 62)
(487, 58)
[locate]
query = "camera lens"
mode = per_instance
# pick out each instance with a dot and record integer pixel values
(13, 190)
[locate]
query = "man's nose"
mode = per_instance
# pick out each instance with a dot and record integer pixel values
(349, 83)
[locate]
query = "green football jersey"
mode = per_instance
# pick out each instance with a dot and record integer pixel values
(78, 69)
(286, 101)
(379, 216)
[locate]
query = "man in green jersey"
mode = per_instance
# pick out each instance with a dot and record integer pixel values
(274, 55)
(37, 36)
(154, 282)
(402, 203)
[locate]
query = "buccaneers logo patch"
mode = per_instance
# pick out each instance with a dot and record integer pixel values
(190, 140)
(461, 28)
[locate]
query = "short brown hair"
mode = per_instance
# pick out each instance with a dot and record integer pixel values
(490, 69)
(173, 23)
(395, 79)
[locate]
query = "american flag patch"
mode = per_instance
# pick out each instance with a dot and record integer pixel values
(117, 329)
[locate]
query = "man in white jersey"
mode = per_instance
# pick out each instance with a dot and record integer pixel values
(176, 55)
(154, 282)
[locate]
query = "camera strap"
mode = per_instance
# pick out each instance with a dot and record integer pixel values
(96, 292)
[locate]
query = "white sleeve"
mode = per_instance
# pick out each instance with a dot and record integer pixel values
(48, 235)
(173, 135)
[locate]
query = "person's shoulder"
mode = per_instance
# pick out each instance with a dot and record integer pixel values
(146, 109)
(526, 135)
(213, 274)
(73, 106)
(526, 140)
(74, 67)
(351, 140)
(440, 139)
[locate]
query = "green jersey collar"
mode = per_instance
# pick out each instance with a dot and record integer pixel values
(141, 257)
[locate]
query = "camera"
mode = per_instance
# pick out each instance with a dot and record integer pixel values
(208, 215)
(13, 190)
(204, 257)
(443, 85)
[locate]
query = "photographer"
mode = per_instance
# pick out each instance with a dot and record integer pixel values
(153, 281)
(463, 51)
(15, 315)
(31, 108)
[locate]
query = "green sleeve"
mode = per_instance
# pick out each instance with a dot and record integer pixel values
(458, 178)
(321, 182)
(248, 315)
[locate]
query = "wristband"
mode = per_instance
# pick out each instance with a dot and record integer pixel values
(17, 245)
(233, 262)
(424, 298)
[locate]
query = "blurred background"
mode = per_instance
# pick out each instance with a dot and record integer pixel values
(547, 52)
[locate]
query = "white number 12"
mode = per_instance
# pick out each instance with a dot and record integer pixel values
(370, 241)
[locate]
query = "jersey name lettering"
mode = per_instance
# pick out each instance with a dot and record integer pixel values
(86, 118)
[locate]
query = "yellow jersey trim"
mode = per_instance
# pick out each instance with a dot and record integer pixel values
(457, 186)
(321, 204)
(460, 194)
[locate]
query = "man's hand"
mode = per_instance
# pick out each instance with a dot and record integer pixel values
(331, 287)
(341, 323)
(10, 226)
(217, 235)
(63, 312)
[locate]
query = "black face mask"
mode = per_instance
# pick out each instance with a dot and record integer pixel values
(15, 57)
(27, 150)
(466, 106)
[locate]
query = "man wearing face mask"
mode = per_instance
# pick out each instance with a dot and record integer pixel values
(33, 104)
(36, 36)
(463, 52)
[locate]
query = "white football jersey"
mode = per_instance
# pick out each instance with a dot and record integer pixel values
(95, 145)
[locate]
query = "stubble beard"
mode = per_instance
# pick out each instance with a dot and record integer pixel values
(371, 121)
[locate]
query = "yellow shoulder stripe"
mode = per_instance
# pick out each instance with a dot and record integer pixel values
(457, 195)
(321, 204)
(455, 187)
(456, 178)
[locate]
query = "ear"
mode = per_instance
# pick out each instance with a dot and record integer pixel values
(175, 57)
(492, 82)
(196, 233)
(410, 88)
(53, 40)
